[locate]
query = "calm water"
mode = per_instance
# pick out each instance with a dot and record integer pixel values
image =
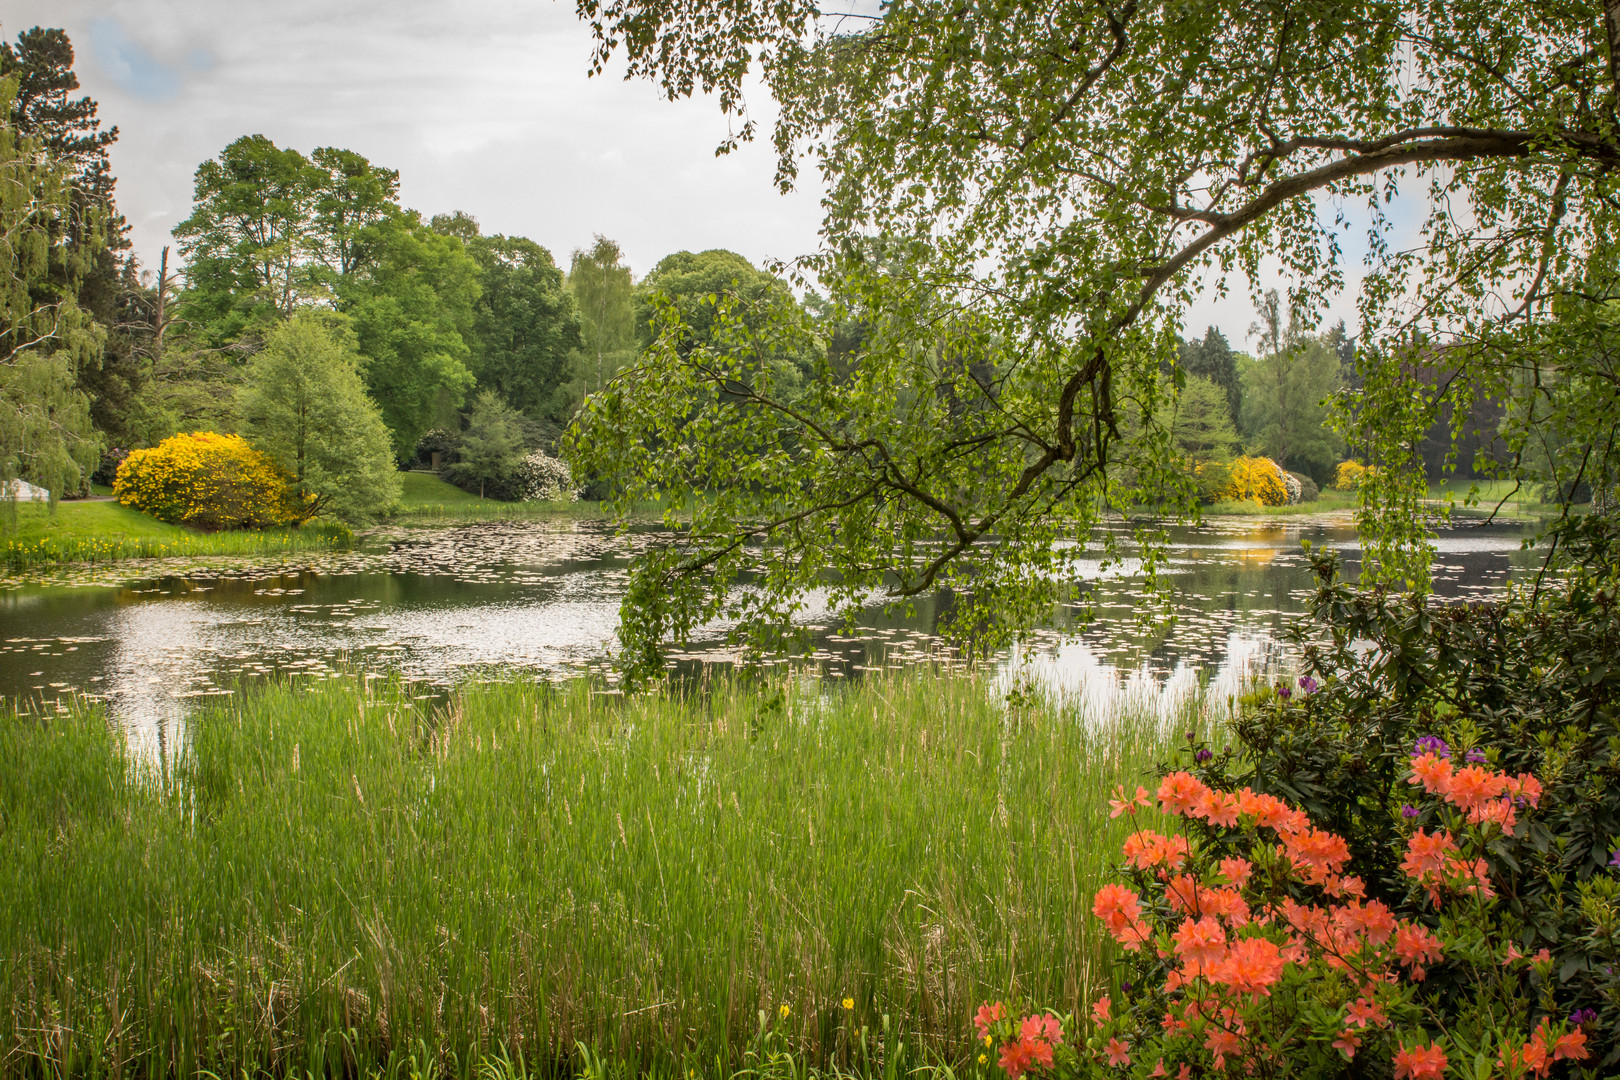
(543, 596)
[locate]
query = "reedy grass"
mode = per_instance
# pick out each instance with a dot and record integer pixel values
(332, 880)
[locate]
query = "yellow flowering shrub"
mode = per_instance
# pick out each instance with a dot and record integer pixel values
(1258, 479)
(1349, 475)
(205, 480)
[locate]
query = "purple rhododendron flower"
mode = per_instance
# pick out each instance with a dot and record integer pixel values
(1202, 756)
(1308, 684)
(1582, 1016)
(1475, 757)
(1409, 811)
(1615, 861)
(1284, 693)
(1431, 744)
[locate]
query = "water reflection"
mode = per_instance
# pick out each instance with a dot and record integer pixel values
(543, 597)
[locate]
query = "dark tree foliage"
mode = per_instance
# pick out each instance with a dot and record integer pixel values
(68, 129)
(525, 327)
(1212, 358)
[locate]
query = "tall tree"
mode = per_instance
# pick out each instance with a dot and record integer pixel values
(604, 292)
(1201, 423)
(67, 129)
(46, 436)
(1213, 359)
(248, 239)
(491, 446)
(413, 309)
(303, 403)
(1287, 394)
(526, 327)
(349, 196)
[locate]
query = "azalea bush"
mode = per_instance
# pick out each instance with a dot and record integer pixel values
(1348, 476)
(208, 481)
(1406, 864)
(1256, 479)
(1255, 952)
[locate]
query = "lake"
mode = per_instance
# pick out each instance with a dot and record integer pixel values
(435, 605)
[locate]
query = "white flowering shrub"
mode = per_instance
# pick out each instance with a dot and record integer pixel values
(543, 477)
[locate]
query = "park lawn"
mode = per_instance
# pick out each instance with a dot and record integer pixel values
(76, 521)
(96, 531)
(426, 498)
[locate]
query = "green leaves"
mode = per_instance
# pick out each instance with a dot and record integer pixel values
(1057, 186)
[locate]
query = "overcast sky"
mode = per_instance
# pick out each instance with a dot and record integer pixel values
(482, 106)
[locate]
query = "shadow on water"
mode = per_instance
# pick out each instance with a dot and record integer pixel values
(437, 605)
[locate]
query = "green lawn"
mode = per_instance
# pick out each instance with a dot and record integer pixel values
(1330, 500)
(427, 498)
(105, 531)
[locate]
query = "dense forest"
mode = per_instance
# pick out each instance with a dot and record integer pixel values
(423, 340)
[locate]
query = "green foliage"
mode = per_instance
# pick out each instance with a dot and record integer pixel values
(605, 296)
(526, 328)
(1286, 396)
(303, 403)
(491, 448)
(1071, 179)
(1533, 683)
(246, 241)
(1200, 423)
(45, 336)
(1212, 358)
(412, 309)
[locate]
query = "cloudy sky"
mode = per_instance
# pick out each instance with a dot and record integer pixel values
(482, 106)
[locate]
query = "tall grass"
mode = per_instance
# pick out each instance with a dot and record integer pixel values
(30, 552)
(331, 878)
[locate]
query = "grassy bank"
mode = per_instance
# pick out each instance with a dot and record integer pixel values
(426, 498)
(1329, 501)
(331, 879)
(106, 531)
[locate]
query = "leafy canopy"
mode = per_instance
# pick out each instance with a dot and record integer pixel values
(1055, 186)
(304, 404)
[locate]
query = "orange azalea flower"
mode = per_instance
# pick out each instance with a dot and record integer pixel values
(1526, 787)
(1220, 1042)
(1250, 966)
(1365, 1012)
(1122, 805)
(1416, 946)
(1158, 1070)
(1180, 792)
(988, 1014)
(1203, 941)
(1347, 1042)
(1101, 1011)
(1371, 920)
(1434, 773)
(1042, 1028)
(1118, 1052)
(1218, 808)
(1016, 1058)
(1427, 853)
(1116, 905)
(1236, 871)
(1473, 786)
(1420, 1063)
(1571, 1046)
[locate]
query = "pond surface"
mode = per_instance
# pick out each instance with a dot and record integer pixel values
(437, 604)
